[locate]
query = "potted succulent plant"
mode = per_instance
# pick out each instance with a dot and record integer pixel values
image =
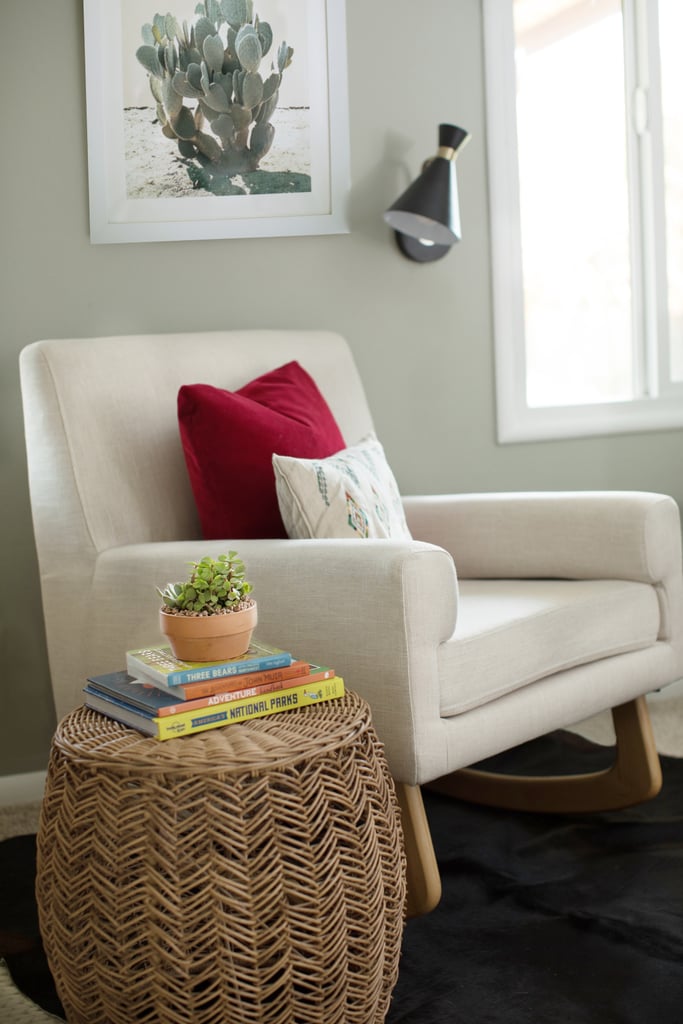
(209, 617)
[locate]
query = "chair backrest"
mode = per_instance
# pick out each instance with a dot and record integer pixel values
(105, 462)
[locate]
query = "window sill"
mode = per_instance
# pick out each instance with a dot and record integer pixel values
(547, 424)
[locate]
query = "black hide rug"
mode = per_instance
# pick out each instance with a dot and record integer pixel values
(544, 919)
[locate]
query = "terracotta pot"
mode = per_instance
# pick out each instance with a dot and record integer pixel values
(209, 637)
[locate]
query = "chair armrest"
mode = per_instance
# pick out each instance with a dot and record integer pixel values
(571, 535)
(374, 610)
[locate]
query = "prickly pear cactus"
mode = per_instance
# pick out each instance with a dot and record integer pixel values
(208, 86)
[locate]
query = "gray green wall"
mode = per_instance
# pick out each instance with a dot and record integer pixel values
(421, 334)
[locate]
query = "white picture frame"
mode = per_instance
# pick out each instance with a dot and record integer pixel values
(140, 187)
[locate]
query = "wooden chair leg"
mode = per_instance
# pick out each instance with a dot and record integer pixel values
(634, 776)
(423, 879)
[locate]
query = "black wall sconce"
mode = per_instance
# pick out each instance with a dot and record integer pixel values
(426, 218)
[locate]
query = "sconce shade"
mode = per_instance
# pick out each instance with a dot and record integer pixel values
(429, 207)
(428, 211)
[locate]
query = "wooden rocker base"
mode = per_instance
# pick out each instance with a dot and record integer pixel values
(635, 776)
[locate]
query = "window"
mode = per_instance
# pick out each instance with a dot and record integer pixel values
(585, 145)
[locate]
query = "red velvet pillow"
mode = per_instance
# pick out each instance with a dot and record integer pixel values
(229, 438)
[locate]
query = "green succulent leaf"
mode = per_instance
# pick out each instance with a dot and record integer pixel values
(252, 89)
(184, 87)
(186, 149)
(216, 99)
(271, 85)
(183, 125)
(170, 59)
(207, 113)
(262, 139)
(171, 99)
(205, 81)
(245, 30)
(265, 34)
(213, 10)
(207, 145)
(171, 27)
(194, 76)
(155, 87)
(213, 52)
(159, 27)
(234, 12)
(265, 113)
(249, 52)
(149, 58)
(148, 35)
(202, 30)
(284, 57)
(237, 80)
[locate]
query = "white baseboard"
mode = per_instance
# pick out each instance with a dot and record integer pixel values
(21, 789)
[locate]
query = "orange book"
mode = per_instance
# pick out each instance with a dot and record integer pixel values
(224, 684)
(219, 699)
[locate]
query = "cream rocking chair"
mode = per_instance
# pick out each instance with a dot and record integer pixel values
(508, 615)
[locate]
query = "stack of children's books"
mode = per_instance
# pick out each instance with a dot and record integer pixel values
(164, 698)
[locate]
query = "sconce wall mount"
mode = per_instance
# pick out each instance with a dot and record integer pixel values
(426, 218)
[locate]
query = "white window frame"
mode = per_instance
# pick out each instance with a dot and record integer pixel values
(659, 401)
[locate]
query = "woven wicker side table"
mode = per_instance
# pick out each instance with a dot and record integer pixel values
(253, 873)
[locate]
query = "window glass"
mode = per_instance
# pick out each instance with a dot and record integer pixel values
(670, 34)
(574, 203)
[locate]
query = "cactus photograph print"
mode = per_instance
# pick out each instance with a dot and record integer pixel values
(216, 118)
(214, 90)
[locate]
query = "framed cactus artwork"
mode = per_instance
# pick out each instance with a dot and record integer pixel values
(216, 119)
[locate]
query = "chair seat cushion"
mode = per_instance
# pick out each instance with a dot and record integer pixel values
(512, 632)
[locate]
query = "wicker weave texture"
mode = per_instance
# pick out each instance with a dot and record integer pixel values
(253, 873)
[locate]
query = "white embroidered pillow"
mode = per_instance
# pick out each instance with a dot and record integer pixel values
(350, 494)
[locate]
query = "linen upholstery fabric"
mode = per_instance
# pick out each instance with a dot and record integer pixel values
(229, 438)
(554, 533)
(387, 614)
(350, 494)
(510, 633)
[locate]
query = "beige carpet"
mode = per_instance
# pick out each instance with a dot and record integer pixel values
(20, 820)
(15, 1008)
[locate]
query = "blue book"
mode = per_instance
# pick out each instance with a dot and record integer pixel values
(120, 686)
(158, 664)
(91, 690)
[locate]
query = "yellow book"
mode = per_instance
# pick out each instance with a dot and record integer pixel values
(184, 723)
